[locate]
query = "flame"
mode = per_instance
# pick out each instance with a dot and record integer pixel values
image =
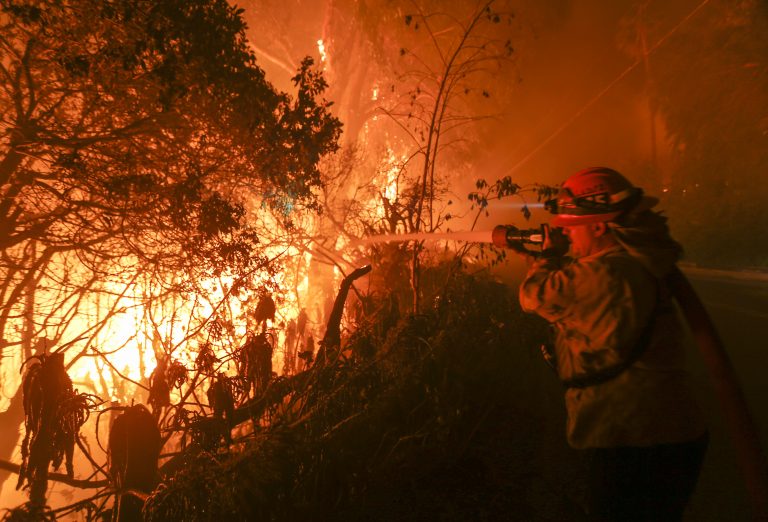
(125, 332)
(387, 180)
(321, 48)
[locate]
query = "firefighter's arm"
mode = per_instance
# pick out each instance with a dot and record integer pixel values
(548, 288)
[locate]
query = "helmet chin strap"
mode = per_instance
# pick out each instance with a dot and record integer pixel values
(606, 240)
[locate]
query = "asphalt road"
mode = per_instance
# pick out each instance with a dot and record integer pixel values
(738, 305)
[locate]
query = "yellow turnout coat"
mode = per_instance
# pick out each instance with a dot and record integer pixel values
(600, 307)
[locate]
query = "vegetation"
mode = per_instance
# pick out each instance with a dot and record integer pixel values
(402, 409)
(406, 409)
(132, 135)
(158, 195)
(140, 140)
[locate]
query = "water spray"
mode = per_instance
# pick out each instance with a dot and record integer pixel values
(502, 236)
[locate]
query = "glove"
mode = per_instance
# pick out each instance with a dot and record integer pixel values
(555, 244)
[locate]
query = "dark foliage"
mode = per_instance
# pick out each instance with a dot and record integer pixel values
(134, 447)
(710, 84)
(411, 412)
(29, 512)
(255, 363)
(265, 309)
(164, 377)
(221, 397)
(53, 416)
(46, 384)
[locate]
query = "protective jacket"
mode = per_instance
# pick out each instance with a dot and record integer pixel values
(601, 307)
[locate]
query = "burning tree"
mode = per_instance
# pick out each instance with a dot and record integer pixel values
(466, 53)
(131, 133)
(413, 81)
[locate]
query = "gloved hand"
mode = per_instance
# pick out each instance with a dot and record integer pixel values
(555, 244)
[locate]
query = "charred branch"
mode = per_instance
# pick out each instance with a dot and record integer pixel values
(59, 477)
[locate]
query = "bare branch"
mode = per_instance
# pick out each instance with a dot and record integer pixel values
(59, 477)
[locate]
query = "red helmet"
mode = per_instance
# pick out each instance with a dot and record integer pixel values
(595, 195)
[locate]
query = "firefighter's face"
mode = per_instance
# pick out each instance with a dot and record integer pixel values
(586, 239)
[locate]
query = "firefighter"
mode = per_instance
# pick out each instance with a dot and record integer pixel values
(618, 347)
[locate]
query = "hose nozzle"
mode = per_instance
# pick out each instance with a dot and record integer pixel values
(506, 236)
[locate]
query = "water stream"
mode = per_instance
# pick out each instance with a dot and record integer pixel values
(514, 204)
(474, 236)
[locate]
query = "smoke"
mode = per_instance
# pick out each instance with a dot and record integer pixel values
(586, 86)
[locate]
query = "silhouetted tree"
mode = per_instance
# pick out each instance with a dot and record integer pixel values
(132, 132)
(709, 83)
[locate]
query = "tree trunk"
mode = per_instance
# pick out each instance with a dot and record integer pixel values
(11, 420)
(332, 338)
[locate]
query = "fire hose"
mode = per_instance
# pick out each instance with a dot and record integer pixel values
(751, 459)
(739, 420)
